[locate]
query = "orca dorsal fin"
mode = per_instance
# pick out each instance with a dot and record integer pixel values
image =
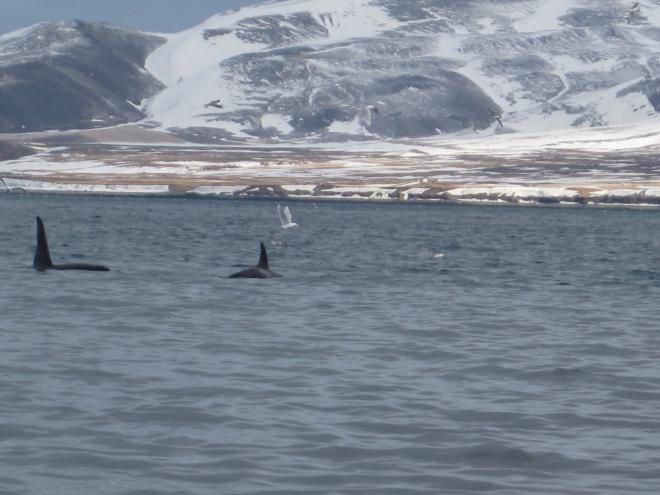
(263, 258)
(42, 259)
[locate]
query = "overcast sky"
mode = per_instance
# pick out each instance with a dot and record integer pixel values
(150, 15)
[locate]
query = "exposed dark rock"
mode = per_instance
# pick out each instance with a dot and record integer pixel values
(278, 30)
(214, 33)
(12, 151)
(74, 75)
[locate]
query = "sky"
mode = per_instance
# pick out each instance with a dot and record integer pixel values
(166, 16)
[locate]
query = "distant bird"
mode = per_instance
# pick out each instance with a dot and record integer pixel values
(214, 103)
(436, 254)
(285, 217)
(632, 12)
(366, 114)
(497, 115)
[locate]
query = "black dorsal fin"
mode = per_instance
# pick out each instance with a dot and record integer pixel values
(263, 258)
(42, 259)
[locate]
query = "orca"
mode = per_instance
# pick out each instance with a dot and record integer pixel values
(42, 259)
(259, 271)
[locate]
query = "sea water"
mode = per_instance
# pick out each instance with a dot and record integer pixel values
(525, 360)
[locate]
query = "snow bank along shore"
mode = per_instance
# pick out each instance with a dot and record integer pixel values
(612, 165)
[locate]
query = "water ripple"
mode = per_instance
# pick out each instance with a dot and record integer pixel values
(524, 361)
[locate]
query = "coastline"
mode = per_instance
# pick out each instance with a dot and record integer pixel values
(547, 196)
(614, 166)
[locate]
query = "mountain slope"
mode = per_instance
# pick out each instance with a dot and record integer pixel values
(350, 69)
(306, 68)
(73, 75)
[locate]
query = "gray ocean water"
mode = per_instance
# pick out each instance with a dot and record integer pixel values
(526, 360)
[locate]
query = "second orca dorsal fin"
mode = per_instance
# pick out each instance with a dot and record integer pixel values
(263, 258)
(42, 259)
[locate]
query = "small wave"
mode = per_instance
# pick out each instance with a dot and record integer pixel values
(553, 374)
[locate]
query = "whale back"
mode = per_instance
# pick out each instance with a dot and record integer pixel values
(42, 259)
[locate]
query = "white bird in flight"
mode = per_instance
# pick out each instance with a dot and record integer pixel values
(436, 254)
(285, 217)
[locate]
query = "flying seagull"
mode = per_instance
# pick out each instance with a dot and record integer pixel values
(634, 10)
(367, 113)
(497, 115)
(214, 103)
(285, 217)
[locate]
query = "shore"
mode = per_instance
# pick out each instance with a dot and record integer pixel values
(605, 166)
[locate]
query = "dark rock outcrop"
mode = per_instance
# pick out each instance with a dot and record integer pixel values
(73, 75)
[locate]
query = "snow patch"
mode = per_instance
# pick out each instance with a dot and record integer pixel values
(308, 188)
(543, 15)
(218, 190)
(351, 127)
(42, 186)
(276, 121)
(514, 191)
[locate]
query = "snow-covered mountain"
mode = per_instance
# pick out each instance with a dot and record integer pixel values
(357, 69)
(397, 68)
(73, 75)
